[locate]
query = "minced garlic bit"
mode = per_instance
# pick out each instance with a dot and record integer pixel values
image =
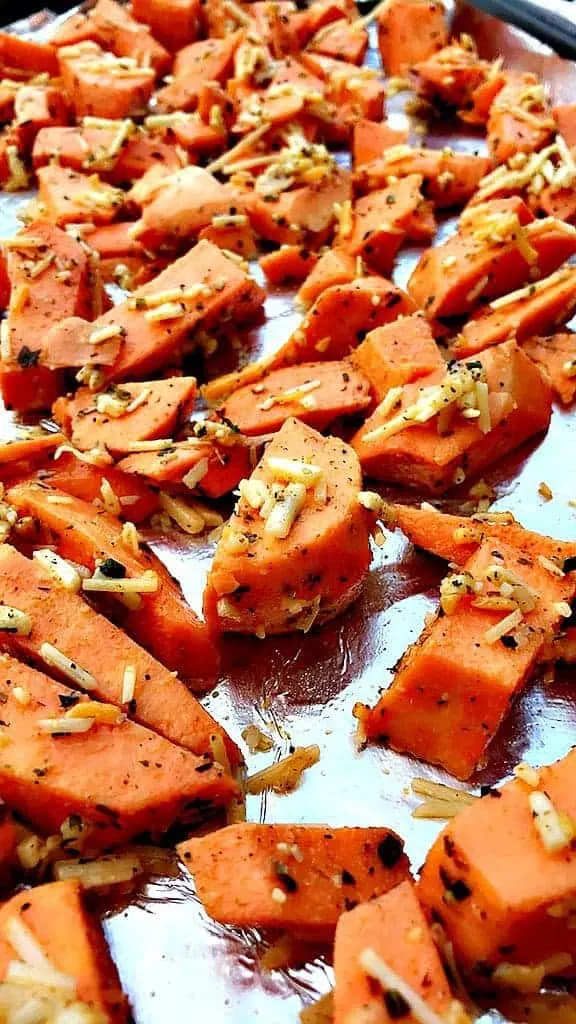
(569, 368)
(453, 588)
(253, 492)
(62, 571)
(98, 712)
(21, 695)
(12, 620)
(55, 658)
(457, 391)
(556, 829)
(285, 775)
(147, 583)
(278, 895)
(528, 774)
(563, 609)
(63, 726)
(91, 376)
(377, 969)
(128, 684)
(300, 163)
(167, 311)
(106, 333)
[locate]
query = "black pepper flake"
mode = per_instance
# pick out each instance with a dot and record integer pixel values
(396, 1005)
(390, 850)
(27, 357)
(509, 642)
(490, 791)
(288, 883)
(569, 564)
(460, 890)
(112, 569)
(347, 878)
(68, 700)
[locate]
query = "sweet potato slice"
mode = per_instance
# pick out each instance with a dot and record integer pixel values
(534, 310)
(126, 37)
(394, 927)
(208, 60)
(370, 139)
(209, 288)
(448, 178)
(248, 589)
(37, 107)
(519, 403)
(175, 23)
(384, 219)
(163, 623)
(61, 618)
(34, 448)
(86, 149)
(335, 266)
(161, 407)
(502, 896)
(310, 903)
(397, 354)
(565, 118)
(101, 85)
(301, 214)
(556, 356)
(451, 75)
(290, 264)
(73, 944)
(203, 466)
(84, 480)
(453, 687)
(453, 538)
(27, 54)
(184, 203)
(497, 253)
(121, 779)
(520, 119)
(410, 31)
(330, 390)
(69, 198)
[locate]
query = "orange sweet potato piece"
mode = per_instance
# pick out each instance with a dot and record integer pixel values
(335, 266)
(565, 118)
(148, 345)
(482, 97)
(290, 264)
(29, 449)
(396, 354)
(27, 55)
(126, 37)
(520, 119)
(412, 954)
(62, 618)
(67, 197)
(418, 456)
(301, 213)
(72, 342)
(224, 466)
(83, 480)
(163, 623)
(163, 407)
(556, 355)
(537, 310)
(384, 219)
(78, 28)
(453, 687)
(469, 268)
(83, 149)
(72, 941)
(175, 23)
(342, 40)
(200, 62)
(450, 75)
(370, 139)
(98, 85)
(197, 137)
(82, 773)
(248, 583)
(560, 204)
(353, 99)
(491, 858)
(334, 389)
(453, 538)
(185, 202)
(37, 107)
(410, 31)
(373, 856)
(448, 178)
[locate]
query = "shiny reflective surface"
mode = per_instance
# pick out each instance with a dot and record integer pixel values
(174, 962)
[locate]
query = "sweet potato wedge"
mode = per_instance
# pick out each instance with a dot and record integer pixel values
(556, 356)
(342, 40)
(37, 107)
(175, 23)
(61, 618)
(449, 178)
(290, 264)
(126, 37)
(310, 903)
(394, 927)
(161, 407)
(101, 85)
(330, 390)
(370, 139)
(495, 913)
(335, 266)
(34, 448)
(203, 466)
(203, 61)
(397, 354)
(410, 31)
(520, 119)
(163, 623)
(73, 944)
(519, 402)
(247, 588)
(84, 480)
(27, 54)
(81, 774)
(387, 217)
(453, 688)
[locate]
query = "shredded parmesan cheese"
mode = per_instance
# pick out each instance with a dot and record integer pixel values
(379, 970)
(59, 569)
(128, 684)
(12, 620)
(148, 583)
(55, 658)
(555, 829)
(285, 775)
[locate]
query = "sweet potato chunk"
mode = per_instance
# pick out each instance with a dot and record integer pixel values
(276, 574)
(394, 927)
(421, 455)
(73, 944)
(83, 480)
(121, 779)
(102, 85)
(397, 354)
(372, 856)
(410, 31)
(203, 466)
(520, 119)
(556, 356)
(502, 896)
